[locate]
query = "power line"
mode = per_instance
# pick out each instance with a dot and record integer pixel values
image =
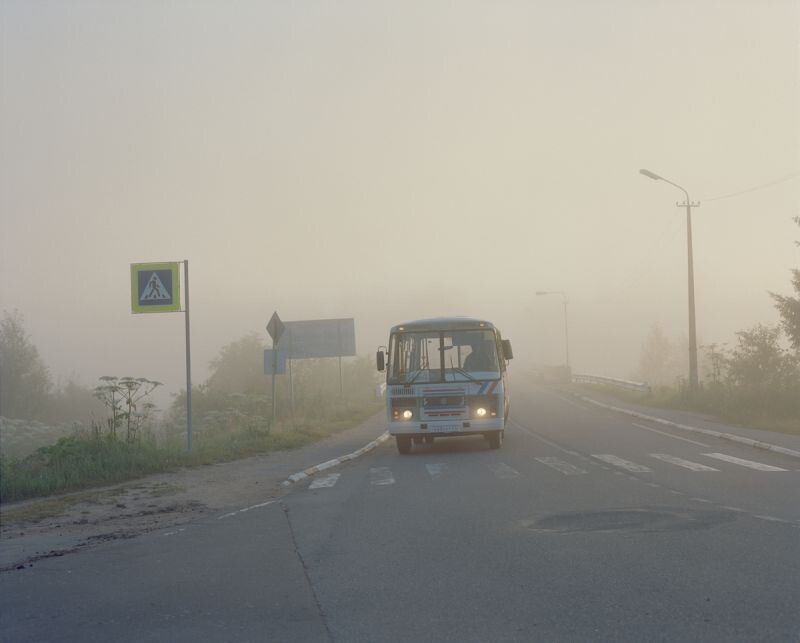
(788, 177)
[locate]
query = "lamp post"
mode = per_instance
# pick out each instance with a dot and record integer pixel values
(539, 293)
(692, 323)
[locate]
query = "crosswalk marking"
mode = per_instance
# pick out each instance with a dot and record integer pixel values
(744, 463)
(502, 470)
(687, 464)
(436, 470)
(623, 464)
(559, 465)
(325, 481)
(381, 476)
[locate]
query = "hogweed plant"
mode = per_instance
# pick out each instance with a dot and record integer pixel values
(126, 400)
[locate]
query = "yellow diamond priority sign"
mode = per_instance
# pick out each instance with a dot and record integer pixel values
(155, 288)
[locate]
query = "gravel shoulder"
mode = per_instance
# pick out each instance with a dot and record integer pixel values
(59, 525)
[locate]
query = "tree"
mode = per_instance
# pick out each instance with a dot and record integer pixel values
(24, 379)
(239, 367)
(762, 374)
(789, 307)
(657, 359)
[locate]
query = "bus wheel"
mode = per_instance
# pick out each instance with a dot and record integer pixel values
(495, 439)
(403, 443)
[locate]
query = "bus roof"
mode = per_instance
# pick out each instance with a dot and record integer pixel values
(443, 323)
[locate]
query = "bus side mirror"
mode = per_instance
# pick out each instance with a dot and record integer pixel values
(380, 360)
(507, 352)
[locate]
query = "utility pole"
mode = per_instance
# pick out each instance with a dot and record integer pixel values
(566, 325)
(688, 204)
(693, 379)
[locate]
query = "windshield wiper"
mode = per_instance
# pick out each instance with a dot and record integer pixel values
(415, 376)
(463, 372)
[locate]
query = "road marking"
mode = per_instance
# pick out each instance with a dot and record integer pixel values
(535, 435)
(699, 499)
(744, 463)
(502, 470)
(325, 481)
(172, 533)
(624, 464)
(669, 435)
(694, 466)
(437, 470)
(772, 519)
(241, 511)
(559, 465)
(381, 476)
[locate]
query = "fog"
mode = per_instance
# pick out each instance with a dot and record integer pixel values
(390, 161)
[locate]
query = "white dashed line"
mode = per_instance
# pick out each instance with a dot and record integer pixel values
(559, 465)
(325, 482)
(773, 519)
(437, 470)
(241, 511)
(669, 435)
(380, 476)
(623, 464)
(744, 463)
(686, 464)
(502, 470)
(172, 533)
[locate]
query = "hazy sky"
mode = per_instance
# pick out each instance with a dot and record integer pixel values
(389, 161)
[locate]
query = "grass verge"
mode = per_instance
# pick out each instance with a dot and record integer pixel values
(83, 460)
(735, 412)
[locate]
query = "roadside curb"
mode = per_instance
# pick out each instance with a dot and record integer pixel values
(305, 473)
(693, 429)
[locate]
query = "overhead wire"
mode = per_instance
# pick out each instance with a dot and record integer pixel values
(769, 184)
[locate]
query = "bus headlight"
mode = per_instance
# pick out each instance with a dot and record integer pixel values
(483, 407)
(404, 409)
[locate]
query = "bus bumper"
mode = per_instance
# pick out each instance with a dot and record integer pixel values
(447, 427)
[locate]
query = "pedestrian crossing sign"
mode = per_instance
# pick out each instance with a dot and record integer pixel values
(155, 288)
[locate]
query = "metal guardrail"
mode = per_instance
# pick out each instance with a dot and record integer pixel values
(582, 378)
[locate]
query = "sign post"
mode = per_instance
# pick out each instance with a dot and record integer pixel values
(188, 359)
(155, 288)
(275, 328)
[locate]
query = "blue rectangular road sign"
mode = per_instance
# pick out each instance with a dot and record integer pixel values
(280, 364)
(315, 338)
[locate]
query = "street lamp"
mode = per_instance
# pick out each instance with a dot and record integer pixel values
(692, 323)
(539, 293)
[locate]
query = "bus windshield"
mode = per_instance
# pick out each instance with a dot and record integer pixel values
(443, 356)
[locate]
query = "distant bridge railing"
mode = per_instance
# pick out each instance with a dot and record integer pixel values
(582, 378)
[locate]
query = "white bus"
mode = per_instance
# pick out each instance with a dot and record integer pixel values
(445, 377)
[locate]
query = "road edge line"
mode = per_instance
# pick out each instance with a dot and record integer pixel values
(758, 444)
(310, 471)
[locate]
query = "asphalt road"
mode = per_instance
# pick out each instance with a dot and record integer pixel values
(583, 527)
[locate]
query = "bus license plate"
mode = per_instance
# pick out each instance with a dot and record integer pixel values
(444, 428)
